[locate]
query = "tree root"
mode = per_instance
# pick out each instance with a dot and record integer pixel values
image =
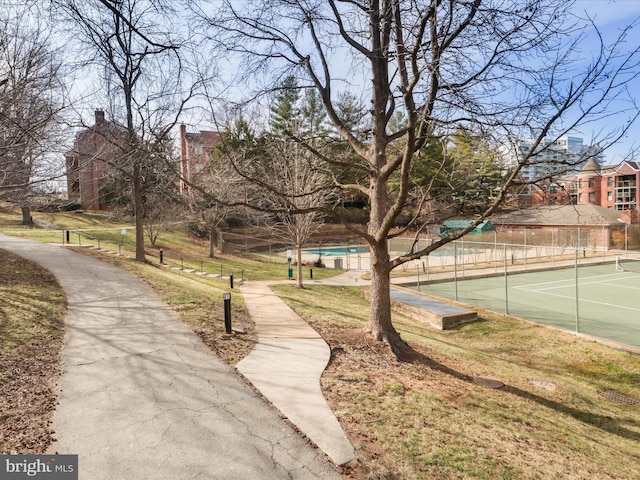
(400, 349)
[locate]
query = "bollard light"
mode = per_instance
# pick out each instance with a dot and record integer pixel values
(227, 311)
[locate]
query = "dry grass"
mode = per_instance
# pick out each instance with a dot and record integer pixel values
(429, 419)
(32, 308)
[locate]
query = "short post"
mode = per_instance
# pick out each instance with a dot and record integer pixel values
(231, 279)
(311, 273)
(68, 233)
(289, 269)
(227, 312)
(182, 264)
(161, 256)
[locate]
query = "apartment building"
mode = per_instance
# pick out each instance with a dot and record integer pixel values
(89, 162)
(195, 149)
(559, 157)
(612, 186)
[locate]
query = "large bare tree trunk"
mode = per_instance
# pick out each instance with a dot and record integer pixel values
(380, 325)
(26, 215)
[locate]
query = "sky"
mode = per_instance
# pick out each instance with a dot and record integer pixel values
(610, 16)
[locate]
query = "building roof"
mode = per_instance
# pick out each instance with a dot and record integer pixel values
(612, 169)
(592, 166)
(462, 224)
(565, 215)
(204, 137)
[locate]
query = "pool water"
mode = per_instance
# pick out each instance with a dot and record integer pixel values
(338, 251)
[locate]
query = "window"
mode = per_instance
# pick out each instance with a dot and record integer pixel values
(198, 150)
(592, 197)
(579, 183)
(610, 196)
(579, 198)
(610, 182)
(553, 189)
(592, 182)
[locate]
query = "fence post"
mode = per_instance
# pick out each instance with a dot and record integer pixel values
(577, 310)
(506, 286)
(455, 266)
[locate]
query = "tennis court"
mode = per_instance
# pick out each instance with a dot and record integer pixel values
(608, 304)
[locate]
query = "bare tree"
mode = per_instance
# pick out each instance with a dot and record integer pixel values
(509, 69)
(160, 216)
(138, 51)
(293, 175)
(31, 107)
(212, 201)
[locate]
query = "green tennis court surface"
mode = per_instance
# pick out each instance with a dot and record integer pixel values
(608, 303)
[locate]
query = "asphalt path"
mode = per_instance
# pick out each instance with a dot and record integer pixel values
(141, 397)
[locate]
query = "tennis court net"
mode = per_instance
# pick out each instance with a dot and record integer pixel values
(628, 264)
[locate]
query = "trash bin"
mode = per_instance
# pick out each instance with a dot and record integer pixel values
(337, 262)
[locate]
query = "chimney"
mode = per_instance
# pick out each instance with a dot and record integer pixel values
(99, 116)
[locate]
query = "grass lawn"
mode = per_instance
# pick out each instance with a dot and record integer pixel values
(427, 418)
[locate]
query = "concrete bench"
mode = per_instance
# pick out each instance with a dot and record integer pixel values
(420, 308)
(437, 314)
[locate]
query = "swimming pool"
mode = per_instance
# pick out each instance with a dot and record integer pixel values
(338, 251)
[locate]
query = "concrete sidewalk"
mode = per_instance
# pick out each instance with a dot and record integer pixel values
(286, 366)
(141, 397)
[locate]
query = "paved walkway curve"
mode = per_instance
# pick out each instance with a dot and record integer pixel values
(286, 365)
(142, 398)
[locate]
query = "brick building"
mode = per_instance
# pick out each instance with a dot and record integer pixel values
(611, 186)
(195, 149)
(89, 161)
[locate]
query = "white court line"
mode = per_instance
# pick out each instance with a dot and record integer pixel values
(617, 274)
(571, 283)
(583, 300)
